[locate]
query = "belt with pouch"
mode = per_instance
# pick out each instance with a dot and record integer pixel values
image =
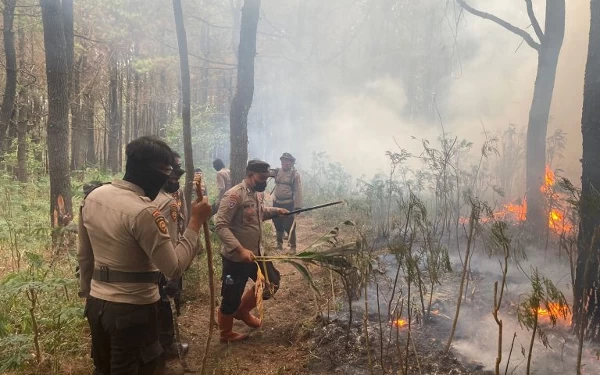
(107, 275)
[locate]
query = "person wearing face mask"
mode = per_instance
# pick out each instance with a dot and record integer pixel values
(123, 245)
(179, 196)
(170, 209)
(239, 226)
(288, 195)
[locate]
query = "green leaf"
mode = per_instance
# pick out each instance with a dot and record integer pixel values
(35, 260)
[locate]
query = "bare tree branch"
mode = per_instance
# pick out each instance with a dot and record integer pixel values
(513, 29)
(534, 21)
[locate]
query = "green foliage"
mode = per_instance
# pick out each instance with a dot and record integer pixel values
(326, 181)
(40, 312)
(40, 317)
(543, 295)
(210, 136)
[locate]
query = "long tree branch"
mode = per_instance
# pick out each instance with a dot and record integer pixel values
(534, 21)
(515, 30)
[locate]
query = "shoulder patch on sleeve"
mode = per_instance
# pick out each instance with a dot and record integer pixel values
(174, 211)
(233, 199)
(160, 222)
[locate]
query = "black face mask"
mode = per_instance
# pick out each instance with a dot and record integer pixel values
(171, 187)
(146, 177)
(259, 186)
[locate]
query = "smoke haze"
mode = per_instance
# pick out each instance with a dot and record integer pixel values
(356, 105)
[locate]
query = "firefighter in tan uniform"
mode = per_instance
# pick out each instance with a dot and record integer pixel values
(239, 226)
(180, 199)
(223, 180)
(123, 244)
(288, 195)
(170, 209)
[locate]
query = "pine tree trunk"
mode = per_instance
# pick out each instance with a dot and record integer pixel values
(24, 114)
(242, 100)
(88, 123)
(77, 126)
(589, 207)
(114, 136)
(128, 105)
(58, 107)
(185, 101)
(539, 112)
(10, 90)
(67, 20)
(136, 107)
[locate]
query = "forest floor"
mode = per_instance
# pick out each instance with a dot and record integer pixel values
(295, 340)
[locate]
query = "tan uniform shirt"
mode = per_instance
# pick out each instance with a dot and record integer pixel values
(179, 197)
(169, 209)
(121, 229)
(239, 220)
(223, 182)
(288, 187)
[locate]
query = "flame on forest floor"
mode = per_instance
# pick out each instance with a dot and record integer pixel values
(399, 323)
(516, 211)
(562, 313)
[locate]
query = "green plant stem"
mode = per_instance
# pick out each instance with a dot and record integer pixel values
(380, 329)
(472, 219)
(510, 353)
(582, 315)
(530, 353)
(366, 326)
(32, 296)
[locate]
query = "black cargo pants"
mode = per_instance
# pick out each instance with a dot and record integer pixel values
(284, 224)
(232, 287)
(124, 337)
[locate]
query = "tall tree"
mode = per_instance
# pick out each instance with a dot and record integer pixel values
(587, 284)
(88, 123)
(10, 90)
(24, 113)
(548, 49)
(185, 101)
(114, 115)
(242, 100)
(58, 109)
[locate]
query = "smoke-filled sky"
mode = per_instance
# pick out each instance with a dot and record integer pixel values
(338, 80)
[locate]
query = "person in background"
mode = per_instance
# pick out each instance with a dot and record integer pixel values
(223, 181)
(179, 197)
(239, 226)
(288, 195)
(171, 210)
(123, 245)
(199, 174)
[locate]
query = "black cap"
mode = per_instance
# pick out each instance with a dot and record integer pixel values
(287, 156)
(257, 166)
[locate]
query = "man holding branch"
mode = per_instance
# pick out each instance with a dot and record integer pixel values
(239, 226)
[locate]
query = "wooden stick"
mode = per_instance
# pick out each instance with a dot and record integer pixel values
(211, 281)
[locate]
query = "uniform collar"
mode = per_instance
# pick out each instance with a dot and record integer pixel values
(245, 185)
(126, 185)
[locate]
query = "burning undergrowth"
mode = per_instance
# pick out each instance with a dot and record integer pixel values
(453, 273)
(395, 343)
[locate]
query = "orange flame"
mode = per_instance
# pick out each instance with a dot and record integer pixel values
(399, 323)
(562, 313)
(517, 212)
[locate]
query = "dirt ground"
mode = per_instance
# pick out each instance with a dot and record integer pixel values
(278, 347)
